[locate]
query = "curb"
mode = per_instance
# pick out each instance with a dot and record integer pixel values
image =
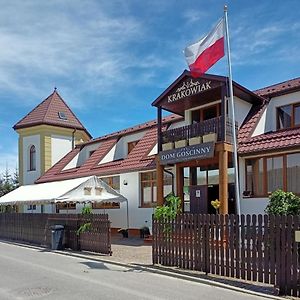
(155, 270)
(170, 274)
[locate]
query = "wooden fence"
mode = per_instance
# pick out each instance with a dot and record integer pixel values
(36, 229)
(256, 248)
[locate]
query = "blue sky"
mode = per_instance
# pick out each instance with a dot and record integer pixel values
(111, 59)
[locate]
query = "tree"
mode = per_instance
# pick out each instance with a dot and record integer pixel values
(7, 182)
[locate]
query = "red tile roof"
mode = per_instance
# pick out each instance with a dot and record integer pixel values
(166, 120)
(47, 112)
(280, 88)
(271, 141)
(137, 159)
(250, 122)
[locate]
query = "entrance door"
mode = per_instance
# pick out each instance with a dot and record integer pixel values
(198, 199)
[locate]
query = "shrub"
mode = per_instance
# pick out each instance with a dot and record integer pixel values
(169, 210)
(86, 211)
(283, 203)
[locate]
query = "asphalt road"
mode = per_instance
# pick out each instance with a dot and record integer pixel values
(30, 273)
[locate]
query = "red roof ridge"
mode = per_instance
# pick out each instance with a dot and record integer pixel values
(39, 105)
(135, 128)
(47, 111)
(279, 87)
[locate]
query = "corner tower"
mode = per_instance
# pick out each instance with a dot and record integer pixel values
(46, 134)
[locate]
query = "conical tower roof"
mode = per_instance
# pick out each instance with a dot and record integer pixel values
(52, 111)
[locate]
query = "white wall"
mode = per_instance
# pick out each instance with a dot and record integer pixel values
(82, 156)
(120, 149)
(48, 209)
(122, 144)
(260, 127)
(241, 109)
(29, 177)
(138, 217)
(270, 124)
(60, 146)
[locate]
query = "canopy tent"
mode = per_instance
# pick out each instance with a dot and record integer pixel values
(81, 190)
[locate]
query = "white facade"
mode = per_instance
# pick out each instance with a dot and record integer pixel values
(120, 149)
(241, 109)
(29, 176)
(82, 156)
(268, 121)
(60, 146)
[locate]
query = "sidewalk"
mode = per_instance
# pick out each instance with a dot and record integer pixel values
(130, 251)
(134, 253)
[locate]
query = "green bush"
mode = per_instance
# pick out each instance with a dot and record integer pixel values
(169, 210)
(283, 203)
(86, 211)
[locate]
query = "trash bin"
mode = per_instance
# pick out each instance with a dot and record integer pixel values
(57, 234)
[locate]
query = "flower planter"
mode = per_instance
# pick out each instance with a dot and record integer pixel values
(195, 140)
(211, 137)
(180, 144)
(167, 146)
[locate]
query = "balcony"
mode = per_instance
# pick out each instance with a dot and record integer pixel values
(207, 131)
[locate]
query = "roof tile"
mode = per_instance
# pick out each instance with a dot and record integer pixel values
(47, 112)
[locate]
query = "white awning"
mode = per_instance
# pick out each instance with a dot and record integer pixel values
(72, 190)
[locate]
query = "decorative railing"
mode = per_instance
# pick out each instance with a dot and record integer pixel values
(199, 130)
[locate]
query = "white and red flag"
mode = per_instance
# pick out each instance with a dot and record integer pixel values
(206, 52)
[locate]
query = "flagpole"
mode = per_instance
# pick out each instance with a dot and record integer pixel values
(236, 173)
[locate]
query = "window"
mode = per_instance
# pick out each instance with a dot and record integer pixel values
(267, 174)
(87, 191)
(31, 207)
(149, 190)
(131, 145)
(106, 205)
(206, 113)
(288, 116)
(91, 153)
(65, 206)
(274, 173)
(113, 182)
(293, 173)
(62, 115)
(32, 158)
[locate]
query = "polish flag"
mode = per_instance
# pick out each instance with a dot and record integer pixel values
(205, 53)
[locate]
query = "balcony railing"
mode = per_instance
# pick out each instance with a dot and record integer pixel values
(199, 130)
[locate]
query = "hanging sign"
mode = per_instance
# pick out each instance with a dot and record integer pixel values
(201, 151)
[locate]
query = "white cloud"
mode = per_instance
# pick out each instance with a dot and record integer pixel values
(194, 15)
(46, 44)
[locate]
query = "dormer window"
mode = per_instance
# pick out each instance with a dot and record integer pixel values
(62, 115)
(32, 158)
(288, 116)
(131, 145)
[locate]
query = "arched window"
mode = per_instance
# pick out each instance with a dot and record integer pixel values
(32, 158)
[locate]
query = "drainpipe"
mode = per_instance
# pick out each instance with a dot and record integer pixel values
(73, 138)
(172, 175)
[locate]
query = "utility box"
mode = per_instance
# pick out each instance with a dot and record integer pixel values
(57, 235)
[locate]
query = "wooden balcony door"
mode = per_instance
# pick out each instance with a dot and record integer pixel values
(206, 113)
